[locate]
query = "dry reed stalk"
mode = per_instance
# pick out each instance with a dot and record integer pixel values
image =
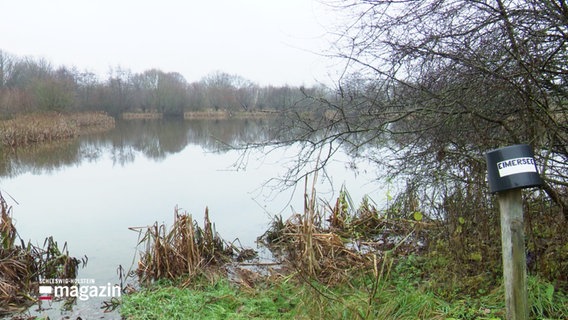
(308, 226)
(208, 244)
(186, 239)
(7, 229)
(186, 250)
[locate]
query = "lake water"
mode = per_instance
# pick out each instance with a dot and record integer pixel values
(89, 191)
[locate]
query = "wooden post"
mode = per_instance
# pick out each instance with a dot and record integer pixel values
(509, 170)
(514, 258)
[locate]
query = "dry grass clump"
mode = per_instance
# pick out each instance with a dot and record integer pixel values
(184, 250)
(311, 247)
(22, 266)
(28, 129)
(329, 247)
(317, 252)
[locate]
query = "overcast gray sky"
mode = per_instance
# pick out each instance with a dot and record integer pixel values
(266, 41)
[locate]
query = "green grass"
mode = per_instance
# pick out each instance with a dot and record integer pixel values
(221, 300)
(404, 293)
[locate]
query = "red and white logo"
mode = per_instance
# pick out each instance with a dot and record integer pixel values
(45, 293)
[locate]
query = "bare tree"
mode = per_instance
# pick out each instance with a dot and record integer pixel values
(443, 82)
(6, 67)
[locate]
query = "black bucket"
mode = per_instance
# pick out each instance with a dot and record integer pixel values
(512, 167)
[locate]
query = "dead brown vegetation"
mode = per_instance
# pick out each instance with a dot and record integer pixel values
(327, 243)
(185, 249)
(23, 266)
(29, 129)
(332, 243)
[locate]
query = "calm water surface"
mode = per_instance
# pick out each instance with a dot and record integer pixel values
(89, 191)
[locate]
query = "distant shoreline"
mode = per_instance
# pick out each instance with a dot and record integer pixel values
(203, 115)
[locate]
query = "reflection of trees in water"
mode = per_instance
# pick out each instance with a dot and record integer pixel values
(220, 135)
(45, 157)
(154, 139)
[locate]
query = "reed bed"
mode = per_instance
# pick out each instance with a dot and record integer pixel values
(225, 114)
(329, 243)
(142, 115)
(186, 249)
(29, 129)
(22, 265)
(317, 253)
(207, 115)
(325, 243)
(91, 119)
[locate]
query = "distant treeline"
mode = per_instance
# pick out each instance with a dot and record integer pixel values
(34, 85)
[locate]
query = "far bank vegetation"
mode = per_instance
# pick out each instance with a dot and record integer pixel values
(209, 114)
(42, 103)
(27, 129)
(29, 85)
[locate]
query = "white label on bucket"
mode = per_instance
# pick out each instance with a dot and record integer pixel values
(517, 165)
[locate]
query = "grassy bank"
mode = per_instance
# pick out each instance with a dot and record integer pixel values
(23, 130)
(401, 294)
(332, 262)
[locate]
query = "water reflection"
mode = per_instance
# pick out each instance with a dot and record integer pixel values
(89, 191)
(154, 139)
